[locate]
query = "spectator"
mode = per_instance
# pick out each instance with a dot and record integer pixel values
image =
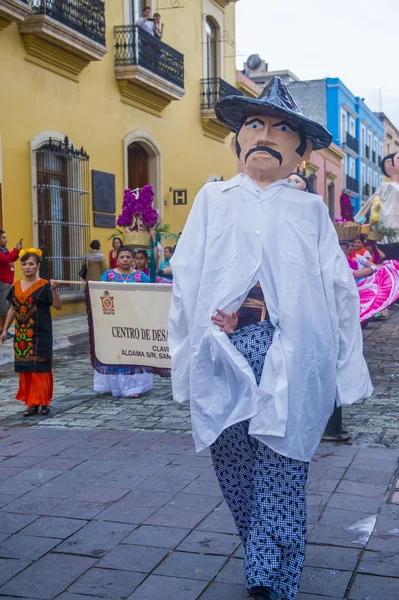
(146, 22)
(113, 255)
(165, 269)
(95, 261)
(7, 260)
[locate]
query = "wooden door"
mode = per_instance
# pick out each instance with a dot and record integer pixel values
(137, 159)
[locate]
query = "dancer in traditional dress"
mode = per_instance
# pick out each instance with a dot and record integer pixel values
(378, 287)
(122, 382)
(261, 395)
(30, 300)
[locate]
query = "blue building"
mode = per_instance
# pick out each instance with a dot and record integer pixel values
(355, 128)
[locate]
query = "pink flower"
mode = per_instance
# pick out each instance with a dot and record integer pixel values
(137, 277)
(111, 276)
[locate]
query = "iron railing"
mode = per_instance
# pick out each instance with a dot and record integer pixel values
(374, 157)
(63, 206)
(135, 46)
(352, 184)
(366, 189)
(85, 16)
(367, 151)
(214, 89)
(352, 143)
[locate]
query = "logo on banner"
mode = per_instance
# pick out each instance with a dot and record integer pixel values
(108, 304)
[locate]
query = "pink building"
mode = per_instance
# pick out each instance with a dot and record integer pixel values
(324, 170)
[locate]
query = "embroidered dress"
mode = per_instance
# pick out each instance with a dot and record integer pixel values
(33, 342)
(118, 380)
(264, 490)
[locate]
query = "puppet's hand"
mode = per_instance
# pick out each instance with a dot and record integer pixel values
(226, 323)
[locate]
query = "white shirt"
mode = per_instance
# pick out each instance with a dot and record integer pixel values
(146, 24)
(237, 234)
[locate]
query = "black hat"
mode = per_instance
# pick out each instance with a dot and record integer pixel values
(274, 101)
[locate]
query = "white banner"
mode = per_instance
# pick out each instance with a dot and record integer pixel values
(130, 323)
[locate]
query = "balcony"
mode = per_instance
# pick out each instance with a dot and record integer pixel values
(352, 184)
(367, 151)
(150, 74)
(64, 36)
(374, 157)
(13, 11)
(213, 90)
(352, 143)
(366, 190)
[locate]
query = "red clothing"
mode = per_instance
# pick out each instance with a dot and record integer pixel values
(6, 265)
(113, 263)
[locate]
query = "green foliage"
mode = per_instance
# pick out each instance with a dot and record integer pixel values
(388, 232)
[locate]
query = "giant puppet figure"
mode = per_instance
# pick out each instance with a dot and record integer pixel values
(264, 332)
(384, 204)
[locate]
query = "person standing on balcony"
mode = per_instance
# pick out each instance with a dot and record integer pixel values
(146, 22)
(7, 260)
(158, 27)
(261, 394)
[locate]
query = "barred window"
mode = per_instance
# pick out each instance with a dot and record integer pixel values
(63, 210)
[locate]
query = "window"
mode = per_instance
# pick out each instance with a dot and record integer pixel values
(363, 141)
(352, 127)
(63, 209)
(352, 168)
(136, 8)
(343, 127)
(313, 182)
(211, 60)
(331, 200)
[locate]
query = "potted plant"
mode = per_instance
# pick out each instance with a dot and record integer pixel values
(138, 217)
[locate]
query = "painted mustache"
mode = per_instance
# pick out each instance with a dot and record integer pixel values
(274, 153)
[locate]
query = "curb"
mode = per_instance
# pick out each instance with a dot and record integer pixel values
(60, 343)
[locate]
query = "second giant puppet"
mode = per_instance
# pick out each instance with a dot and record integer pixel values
(383, 206)
(264, 332)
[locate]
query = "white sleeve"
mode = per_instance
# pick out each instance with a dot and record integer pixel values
(139, 22)
(362, 260)
(187, 265)
(353, 379)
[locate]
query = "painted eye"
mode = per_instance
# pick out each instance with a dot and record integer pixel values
(284, 127)
(254, 126)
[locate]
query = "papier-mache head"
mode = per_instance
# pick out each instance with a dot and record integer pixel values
(271, 133)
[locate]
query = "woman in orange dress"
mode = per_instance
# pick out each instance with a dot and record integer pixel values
(30, 301)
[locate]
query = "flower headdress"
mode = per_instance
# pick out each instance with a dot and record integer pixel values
(38, 252)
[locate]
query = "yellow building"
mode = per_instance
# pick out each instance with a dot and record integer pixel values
(91, 105)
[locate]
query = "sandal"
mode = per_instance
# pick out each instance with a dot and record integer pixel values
(45, 410)
(135, 396)
(32, 410)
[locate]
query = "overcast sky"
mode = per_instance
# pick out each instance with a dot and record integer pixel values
(355, 40)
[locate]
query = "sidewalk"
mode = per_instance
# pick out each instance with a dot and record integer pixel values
(66, 332)
(139, 516)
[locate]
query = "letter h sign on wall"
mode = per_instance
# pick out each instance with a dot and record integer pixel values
(179, 197)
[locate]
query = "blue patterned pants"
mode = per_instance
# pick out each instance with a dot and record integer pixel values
(264, 490)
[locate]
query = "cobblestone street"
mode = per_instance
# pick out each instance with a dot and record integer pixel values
(107, 499)
(373, 422)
